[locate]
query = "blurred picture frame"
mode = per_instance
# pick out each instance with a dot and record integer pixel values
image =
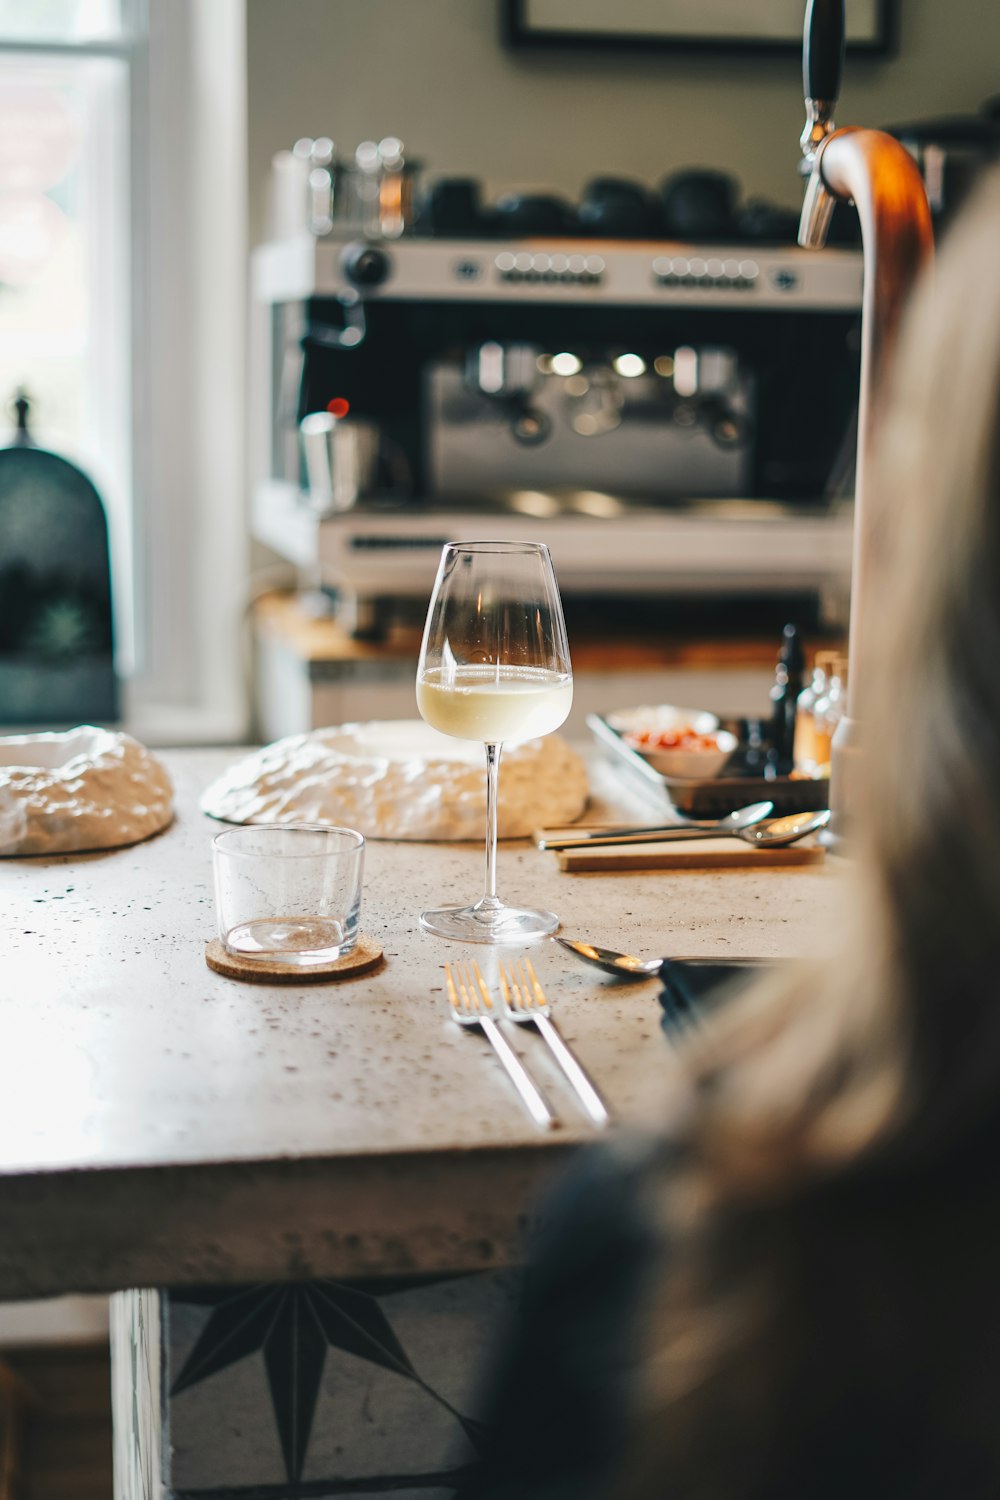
(761, 26)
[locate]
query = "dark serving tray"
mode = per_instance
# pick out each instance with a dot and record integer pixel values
(717, 795)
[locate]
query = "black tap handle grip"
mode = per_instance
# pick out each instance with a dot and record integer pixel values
(823, 49)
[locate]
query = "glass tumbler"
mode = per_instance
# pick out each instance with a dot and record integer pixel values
(288, 893)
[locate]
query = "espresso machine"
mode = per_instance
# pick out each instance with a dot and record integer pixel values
(638, 404)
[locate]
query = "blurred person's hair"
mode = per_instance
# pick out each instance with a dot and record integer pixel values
(829, 1316)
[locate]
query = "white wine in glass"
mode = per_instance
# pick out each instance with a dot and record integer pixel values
(494, 666)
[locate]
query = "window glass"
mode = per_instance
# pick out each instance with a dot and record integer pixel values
(64, 271)
(59, 20)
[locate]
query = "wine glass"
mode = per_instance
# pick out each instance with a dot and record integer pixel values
(494, 666)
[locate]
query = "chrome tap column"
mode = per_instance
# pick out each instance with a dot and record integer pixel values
(876, 173)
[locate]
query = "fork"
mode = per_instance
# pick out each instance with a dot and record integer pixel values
(524, 1001)
(470, 1004)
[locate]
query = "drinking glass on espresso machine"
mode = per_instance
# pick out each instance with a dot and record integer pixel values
(378, 190)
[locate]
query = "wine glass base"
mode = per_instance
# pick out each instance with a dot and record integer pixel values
(503, 924)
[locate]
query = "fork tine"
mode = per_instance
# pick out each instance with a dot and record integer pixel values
(481, 986)
(522, 999)
(505, 990)
(528, 984)
(512, 990)
(458, 988)
(537, 992)
(460, 981)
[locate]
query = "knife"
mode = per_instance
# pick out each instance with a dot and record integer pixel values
(639, 833)
(579, 838)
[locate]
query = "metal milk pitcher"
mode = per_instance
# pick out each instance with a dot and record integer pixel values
(341, 460)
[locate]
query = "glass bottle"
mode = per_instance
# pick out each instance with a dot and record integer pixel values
(804, 751)
(784, 698)
(828, 713)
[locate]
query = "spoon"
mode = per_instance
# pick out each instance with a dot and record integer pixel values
(574, 838)
(620, 964)
(623, 965)
(768, 833)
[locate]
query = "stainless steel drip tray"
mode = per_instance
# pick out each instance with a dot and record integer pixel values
(550, 501)
(601, 543)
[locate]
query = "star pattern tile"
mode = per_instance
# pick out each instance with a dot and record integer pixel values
(293, 1327)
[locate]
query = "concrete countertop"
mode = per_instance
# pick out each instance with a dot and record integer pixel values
(163, 1125)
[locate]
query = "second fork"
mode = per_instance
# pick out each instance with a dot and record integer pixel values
(524, 1000)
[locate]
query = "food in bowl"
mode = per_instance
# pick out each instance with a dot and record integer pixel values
(685, 743)
(683, 753)
(671, 739)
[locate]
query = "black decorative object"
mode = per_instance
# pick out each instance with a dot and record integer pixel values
(763, 26)
(56, 635)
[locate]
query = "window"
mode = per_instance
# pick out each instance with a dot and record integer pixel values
(122, 256)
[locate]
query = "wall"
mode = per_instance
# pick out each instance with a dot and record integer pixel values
(435, 73)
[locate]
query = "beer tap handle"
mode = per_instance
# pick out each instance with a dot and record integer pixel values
(822, 69)
(823, 52)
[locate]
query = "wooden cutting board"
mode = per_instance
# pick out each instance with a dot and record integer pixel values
(698, 854)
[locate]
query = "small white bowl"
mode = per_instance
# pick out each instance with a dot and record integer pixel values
(655, 717)
(692, 765)
(680, 762)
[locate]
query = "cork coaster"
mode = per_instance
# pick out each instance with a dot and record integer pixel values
(366, 955)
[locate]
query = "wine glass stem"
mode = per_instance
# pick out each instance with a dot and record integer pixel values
(490, 901)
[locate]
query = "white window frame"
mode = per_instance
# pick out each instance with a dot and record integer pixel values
(189, 186)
